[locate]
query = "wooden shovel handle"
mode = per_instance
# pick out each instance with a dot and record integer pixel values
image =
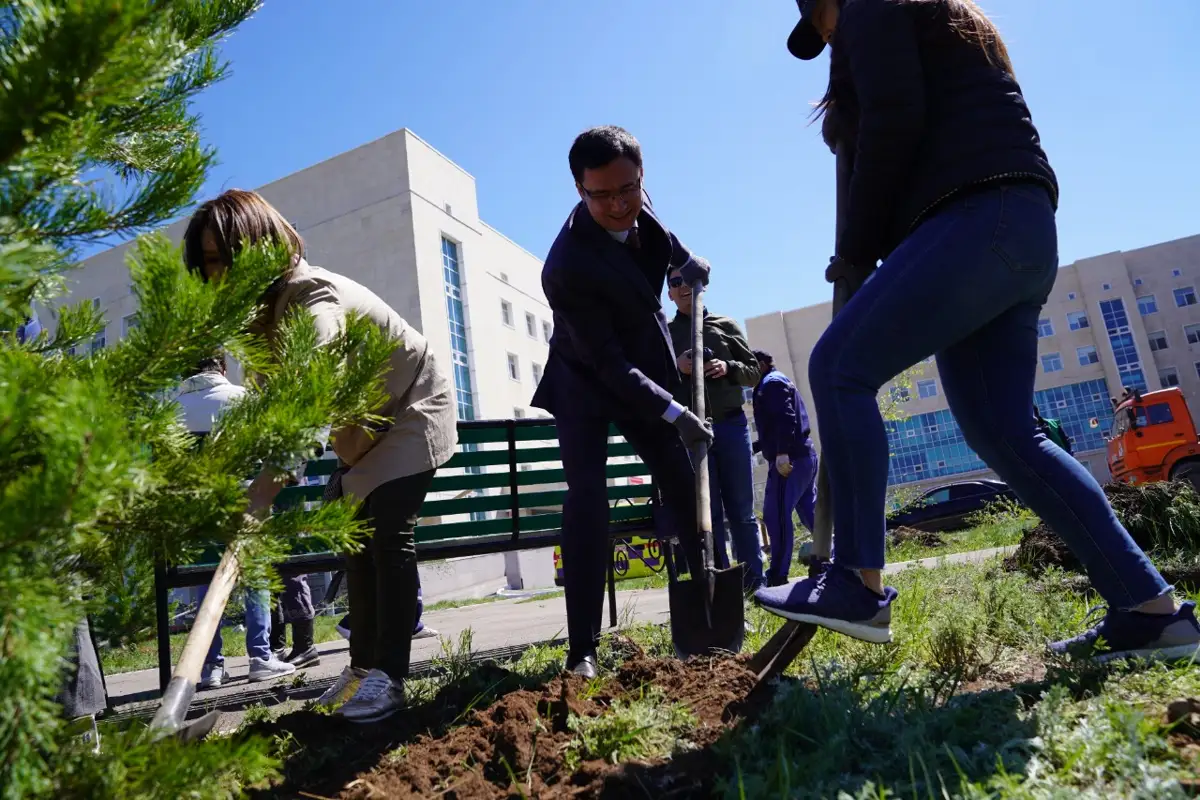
(178, 698)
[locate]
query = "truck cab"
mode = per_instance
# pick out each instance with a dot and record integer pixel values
(1153, 438)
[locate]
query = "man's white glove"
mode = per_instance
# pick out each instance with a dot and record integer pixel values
(783, 464)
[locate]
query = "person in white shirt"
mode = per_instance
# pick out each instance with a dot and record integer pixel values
(202, 398)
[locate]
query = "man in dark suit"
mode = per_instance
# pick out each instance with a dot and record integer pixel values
(611, 361)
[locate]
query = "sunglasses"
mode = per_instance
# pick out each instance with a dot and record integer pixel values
(675, 282)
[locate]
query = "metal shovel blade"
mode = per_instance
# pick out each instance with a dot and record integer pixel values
(691, 632)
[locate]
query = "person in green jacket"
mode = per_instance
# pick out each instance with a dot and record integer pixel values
(1052, 429)
(729, 366)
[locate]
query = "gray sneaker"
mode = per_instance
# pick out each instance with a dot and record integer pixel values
(1131, 634)
(377, 698)
(344, 688)
(426, 632)
(269, 669)
(212, 676)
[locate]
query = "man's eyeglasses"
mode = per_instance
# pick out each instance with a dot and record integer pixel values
(675, 282)
(625, 192)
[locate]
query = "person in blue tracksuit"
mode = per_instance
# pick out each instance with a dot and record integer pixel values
(784, 441)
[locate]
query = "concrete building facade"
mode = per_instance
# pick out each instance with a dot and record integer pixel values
(402, 219)
(1128, 318)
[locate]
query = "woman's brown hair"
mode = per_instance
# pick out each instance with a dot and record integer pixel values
(237, 218)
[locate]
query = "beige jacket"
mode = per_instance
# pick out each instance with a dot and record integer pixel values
(421, 403)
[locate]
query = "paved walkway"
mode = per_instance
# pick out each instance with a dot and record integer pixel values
(495, 625)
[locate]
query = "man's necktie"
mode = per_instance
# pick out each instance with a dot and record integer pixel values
(632, 240)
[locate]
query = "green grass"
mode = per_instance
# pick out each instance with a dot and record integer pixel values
(964, 703)
(983, 537)
(144, 655)
(644, 727)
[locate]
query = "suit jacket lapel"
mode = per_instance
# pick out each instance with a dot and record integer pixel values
(614, 253)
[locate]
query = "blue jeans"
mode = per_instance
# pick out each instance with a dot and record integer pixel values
(797, 492)
(731, 485)
(258, 628)
(967, 286)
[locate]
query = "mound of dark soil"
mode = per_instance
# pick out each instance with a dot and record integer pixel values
(903, 535)
(515, 742)
(1163, 515)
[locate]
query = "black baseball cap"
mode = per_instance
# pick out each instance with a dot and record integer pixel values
(805, 43)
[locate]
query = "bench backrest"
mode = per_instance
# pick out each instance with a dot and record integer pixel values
(504, 489)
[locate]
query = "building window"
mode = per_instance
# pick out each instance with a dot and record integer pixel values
(1087, 355)
(927, 389)
(464, 396)
(1185, 296)
(1045, 328)
(1106, 287)
(518, 413)
(514, 368)
(1120, 338)
(1052, 362)
(1158, 341)
(1147, 305)
(128, 323)
(537, 373)
(506, 315)
(1137, 281)
(98, 341)
(1070, 295)
(1168, 377)
(930, 446)
(900, 394)
(1192, 332)
(531, 325)
(1077, 320)
(1176, 273)
(546, 331)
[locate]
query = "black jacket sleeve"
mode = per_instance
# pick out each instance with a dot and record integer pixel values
(880, 43)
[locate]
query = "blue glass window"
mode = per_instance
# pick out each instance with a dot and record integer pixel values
(1120, 337)
(926, 446)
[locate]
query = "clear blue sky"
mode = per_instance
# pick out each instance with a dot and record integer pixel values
(502, 86)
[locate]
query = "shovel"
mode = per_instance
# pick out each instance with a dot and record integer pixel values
(707, 612)
(782, 649)
(169, 720)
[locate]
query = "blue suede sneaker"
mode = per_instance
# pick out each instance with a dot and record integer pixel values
(1132, 634)
(834, 598)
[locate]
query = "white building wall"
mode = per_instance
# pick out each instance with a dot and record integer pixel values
(378, 214)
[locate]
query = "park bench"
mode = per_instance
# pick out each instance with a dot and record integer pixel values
(515, 484)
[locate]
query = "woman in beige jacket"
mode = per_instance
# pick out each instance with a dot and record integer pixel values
(389, 471)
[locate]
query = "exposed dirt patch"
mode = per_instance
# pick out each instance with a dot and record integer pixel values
(519, 744)
(1157, 515)
(494, 736)
(904, 535)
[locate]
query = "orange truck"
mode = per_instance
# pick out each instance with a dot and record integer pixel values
(1154, 439)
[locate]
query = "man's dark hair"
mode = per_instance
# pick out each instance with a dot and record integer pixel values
(600, 146)
(764, 357)
(214, 363)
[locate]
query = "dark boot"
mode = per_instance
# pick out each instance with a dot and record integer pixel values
(304, 652)
(278, 636)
